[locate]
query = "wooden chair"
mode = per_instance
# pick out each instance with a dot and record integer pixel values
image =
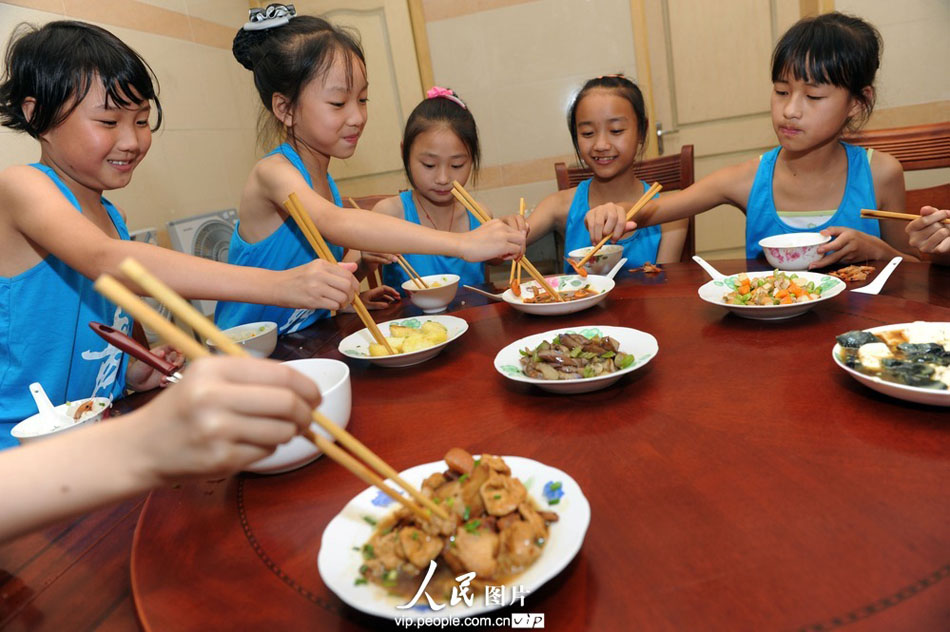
(916, 147)
(673, 172)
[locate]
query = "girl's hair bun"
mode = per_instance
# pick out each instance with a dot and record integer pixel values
(246, 47)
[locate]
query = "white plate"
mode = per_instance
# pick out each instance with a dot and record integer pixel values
(340, 558)
(562, 283)
(713, 291)
(900, 391)
(356, 345)
(640, 344)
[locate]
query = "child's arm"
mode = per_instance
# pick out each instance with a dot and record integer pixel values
(47, 223)
(849, 245)
(929, 235)
(225, 414)
(550, 214)
(355, 228)
(729, 185)
(671, 241)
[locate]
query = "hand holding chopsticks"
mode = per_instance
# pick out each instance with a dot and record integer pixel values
(319, 245)
(119, 294)
(908, 217)
(475, 209)
(646, 197)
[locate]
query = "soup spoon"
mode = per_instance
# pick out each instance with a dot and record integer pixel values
(875, 286)
(711, 271)
(45, 407)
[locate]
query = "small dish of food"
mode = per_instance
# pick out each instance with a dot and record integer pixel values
(576, 360)
(774, 295)
(258, 339)
(414, 340)
(436, 297)
(512, 521)
(578, 293)
(909, 361)
(793, 251)
(600, 263)
(68, 416)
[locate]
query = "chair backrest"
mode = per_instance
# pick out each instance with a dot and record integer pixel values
(916, 147)
(673, 172)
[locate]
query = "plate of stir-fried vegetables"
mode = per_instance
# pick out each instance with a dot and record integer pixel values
(576, 293)
(772, 295)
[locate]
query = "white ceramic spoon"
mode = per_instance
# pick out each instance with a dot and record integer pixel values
(614, 270)
(711, 271)
(875, 286)
(47, 411)
(494, 297)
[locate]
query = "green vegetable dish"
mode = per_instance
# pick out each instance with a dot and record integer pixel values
(572, 356)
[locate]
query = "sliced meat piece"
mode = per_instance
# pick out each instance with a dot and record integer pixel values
(419, 547)
(476, 549)
(501, 494)
(459, 460)
(518, 547)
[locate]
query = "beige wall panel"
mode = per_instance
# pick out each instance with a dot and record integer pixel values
(51, 6)
(231, 13)
(915, 67)
(712, 51)
(179, 6)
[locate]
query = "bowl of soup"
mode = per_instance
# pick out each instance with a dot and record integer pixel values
(258, 339)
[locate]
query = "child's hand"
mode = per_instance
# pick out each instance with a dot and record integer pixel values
(319, 285)
(141, 377)
(608, 219)
(377, 258)
(379, 297)
(518, 222)
(927, 234)
(490, 240)
(849, 246)
(225, 414)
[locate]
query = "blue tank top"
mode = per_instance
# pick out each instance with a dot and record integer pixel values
(283, 249)
(468, 272)
(45, 336)
(638, 248)
(762, 220)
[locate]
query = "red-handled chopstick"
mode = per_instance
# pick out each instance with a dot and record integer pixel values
(136, 350)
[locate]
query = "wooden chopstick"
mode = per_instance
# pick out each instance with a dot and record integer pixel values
(514, 262)
(646, 197)
(411, 272)
(197, 321)
(319, 245)
(871, 213)
(402, 261)
(473, 207)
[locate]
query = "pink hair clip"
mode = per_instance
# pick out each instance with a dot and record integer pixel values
(436, 92)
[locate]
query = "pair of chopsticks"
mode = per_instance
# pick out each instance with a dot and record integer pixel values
(871, 213)
(514, 281)
(402, 261)
(646, 197)
(319, 245)
(112, 289)
(475, 209)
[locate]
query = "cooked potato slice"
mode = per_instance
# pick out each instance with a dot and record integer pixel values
(415, 342)
(436, 337)
(430, 326)
(377, 350)
(400, 331)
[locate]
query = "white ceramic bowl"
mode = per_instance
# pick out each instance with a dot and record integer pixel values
(435, 298)
(915, 394)
(333, 379)
(601, 284)
(713, 291)
(640, 344)
(356, 345)
(340, 555)
(258, 339)
(793, 251)
(33, 428)
(602, 262)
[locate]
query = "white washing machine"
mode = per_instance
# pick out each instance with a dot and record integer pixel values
(208, 236)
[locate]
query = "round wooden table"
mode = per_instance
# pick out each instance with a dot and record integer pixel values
(740, 481)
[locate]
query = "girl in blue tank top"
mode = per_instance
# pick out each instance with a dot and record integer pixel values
(822, 74)
(311, 79)
(439, 146)
(608, 125)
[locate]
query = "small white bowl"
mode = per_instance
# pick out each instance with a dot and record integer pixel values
(793, 251)
(602, 262)
(33, 428)
(333, 379)
(258, 339)
(435, 298)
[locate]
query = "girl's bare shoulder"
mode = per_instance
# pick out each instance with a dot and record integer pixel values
(391, 206)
